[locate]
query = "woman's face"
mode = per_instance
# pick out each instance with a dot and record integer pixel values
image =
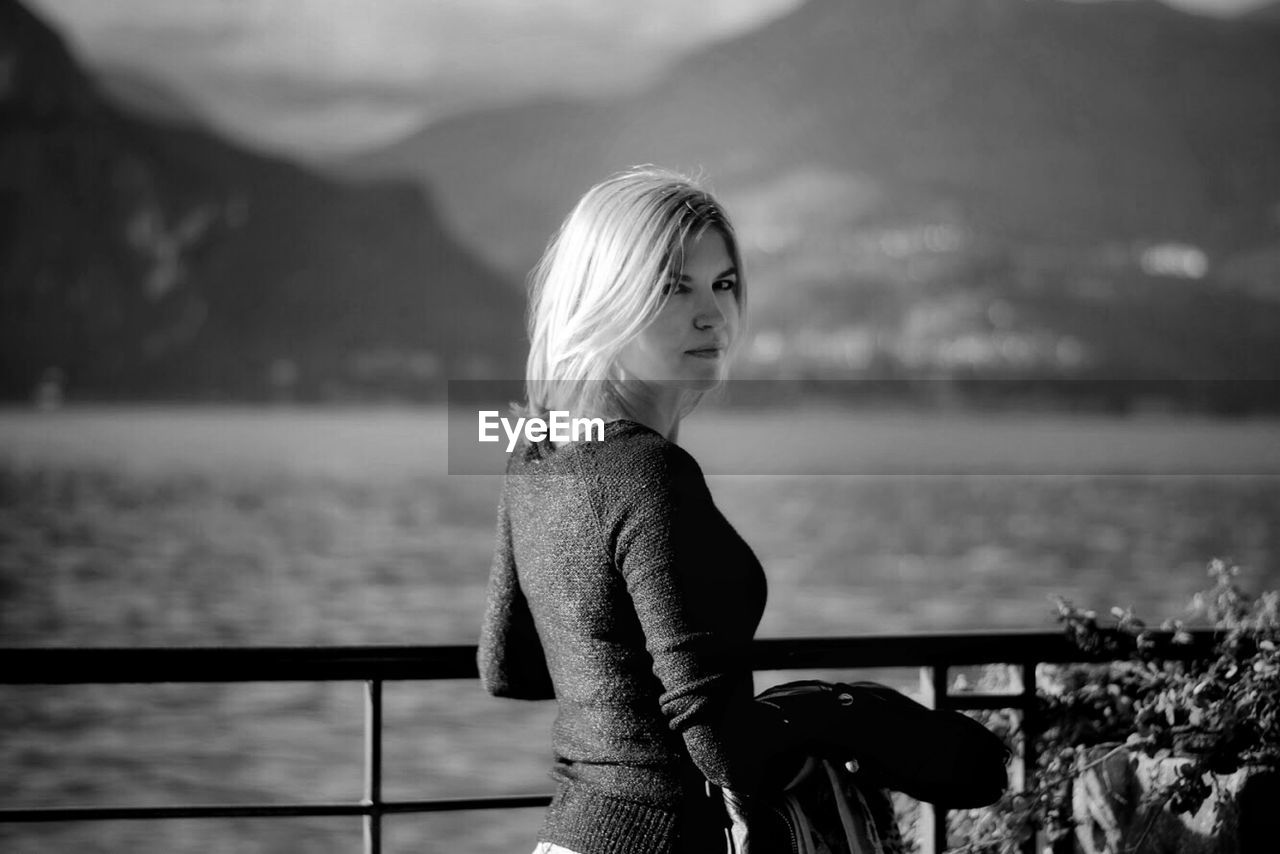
(688, 343)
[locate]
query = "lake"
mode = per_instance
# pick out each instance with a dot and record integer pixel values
(193, 526)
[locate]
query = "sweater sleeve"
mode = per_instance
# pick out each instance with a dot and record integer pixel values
(510, 655)
(663, 527)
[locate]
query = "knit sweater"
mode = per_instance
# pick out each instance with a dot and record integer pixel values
(619, 589)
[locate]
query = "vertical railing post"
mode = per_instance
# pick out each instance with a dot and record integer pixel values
(373, 766)
(1030, 731)
(932, 829)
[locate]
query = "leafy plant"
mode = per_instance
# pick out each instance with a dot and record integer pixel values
(1221, 712)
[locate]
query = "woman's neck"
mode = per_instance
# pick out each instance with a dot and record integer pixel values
(662, 423)
(655, 406)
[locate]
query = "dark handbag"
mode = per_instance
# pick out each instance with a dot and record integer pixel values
(942, 757)
(893, 742)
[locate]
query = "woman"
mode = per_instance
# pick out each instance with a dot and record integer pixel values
(617, 587)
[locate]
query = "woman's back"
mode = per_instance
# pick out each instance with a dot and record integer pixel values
(644, 601)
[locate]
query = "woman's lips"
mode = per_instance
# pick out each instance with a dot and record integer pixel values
(705, 353)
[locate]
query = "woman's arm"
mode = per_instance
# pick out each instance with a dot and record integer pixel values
(510, 656)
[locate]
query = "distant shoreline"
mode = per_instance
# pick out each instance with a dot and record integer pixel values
(397, 442)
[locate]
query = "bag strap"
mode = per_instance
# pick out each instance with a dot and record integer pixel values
(860, 834)
(857, 824)
(859, 829)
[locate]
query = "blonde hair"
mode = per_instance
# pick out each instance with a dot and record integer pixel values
(599, 284)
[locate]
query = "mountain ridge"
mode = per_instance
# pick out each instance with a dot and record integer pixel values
(158, 260)
(938, 187)
(925, 99)
(923, 191)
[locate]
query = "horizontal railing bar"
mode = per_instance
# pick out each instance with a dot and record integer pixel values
(928, 649)
(35, 814)
(88, 665)
(453, 804)
(103, 665)
(46, 814)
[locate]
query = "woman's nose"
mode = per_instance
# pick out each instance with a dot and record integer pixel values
(709, 313)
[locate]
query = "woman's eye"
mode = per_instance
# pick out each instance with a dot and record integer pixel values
(682, 288)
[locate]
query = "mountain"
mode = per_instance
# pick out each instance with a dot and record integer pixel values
(155, 260)
(1269, 13)
(965, 186)
(1044, 119)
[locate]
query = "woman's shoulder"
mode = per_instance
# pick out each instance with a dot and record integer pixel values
(631, 443)
(635, 465)
(623, 456)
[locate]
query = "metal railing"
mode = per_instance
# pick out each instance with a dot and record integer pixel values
(934, 654)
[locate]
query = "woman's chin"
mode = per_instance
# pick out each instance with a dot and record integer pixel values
(699, 382)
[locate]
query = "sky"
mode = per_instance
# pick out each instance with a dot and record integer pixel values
(324, 79)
